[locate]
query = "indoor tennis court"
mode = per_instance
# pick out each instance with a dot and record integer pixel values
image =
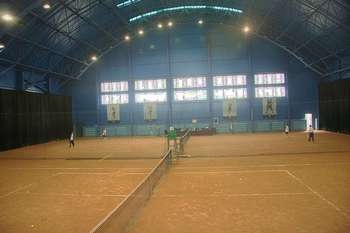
(171, 116)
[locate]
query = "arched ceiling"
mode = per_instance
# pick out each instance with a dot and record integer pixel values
(58, 42)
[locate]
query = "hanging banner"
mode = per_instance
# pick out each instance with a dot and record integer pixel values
(229, 108)
(113, 112)
(269, 106)
(150, 111)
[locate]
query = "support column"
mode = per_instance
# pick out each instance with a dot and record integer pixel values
(131, 88)
(169, 84)
(250, 83)
(209, 79)
(98, 96)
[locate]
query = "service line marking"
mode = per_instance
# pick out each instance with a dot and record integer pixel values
(77, 194)
(77, 168)
(101, 173)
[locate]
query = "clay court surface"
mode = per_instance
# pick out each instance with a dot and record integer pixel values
(228, 183)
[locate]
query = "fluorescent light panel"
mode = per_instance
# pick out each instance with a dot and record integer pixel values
(181, 8)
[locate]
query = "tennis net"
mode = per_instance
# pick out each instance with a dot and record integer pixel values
(118, 220)
(183, 140)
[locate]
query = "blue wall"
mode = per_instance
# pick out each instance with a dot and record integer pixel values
(189, 50)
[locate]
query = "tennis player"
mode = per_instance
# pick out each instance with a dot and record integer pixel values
(286, 129)
(311, 134)
(71, 140)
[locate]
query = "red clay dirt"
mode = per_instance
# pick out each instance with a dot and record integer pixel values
(54, 188)
(254, 183)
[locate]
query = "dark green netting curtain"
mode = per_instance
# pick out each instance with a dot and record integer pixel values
(30, 118)
(335, 106)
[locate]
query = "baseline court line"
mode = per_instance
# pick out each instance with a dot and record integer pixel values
(263, 165)
(230, 172)
(235, 195)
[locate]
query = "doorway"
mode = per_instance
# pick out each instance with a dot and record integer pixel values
(308, 119)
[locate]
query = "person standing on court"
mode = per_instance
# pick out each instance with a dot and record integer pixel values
(286, 129)
(311, 134)
(71, 139)
(104, 133)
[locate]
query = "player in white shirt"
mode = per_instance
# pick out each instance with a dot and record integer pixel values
(71, 139)
(286, 129)
(104, 133)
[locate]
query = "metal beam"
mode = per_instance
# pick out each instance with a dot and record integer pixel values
(325, 14)
(307, 18)
(88, 21)
(336, 71)
(291, 53)
(52, 27)
(45, 48)
(329, 55)
(44, 21)
(266, 16)
(114, 13)
(309, 40)
(317, 71)
(37, 69)
(35, 85)
(31, 6)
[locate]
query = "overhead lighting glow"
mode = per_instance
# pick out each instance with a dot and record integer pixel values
(94, 58)
(7, 17)
(46, 6)
(226, 10)
(200, 21)
(246, 29)
(141, 32)
(127, 38)
(160, 25)
(170, 24)
(2, 46)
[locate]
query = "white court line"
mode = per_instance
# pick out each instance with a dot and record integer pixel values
(317, 194)
(83, 173)
(106, 156)
(262, 165)
(230, 172)
(77, 194)
(236, 195)
(76, 168)
(16, 190)
(100, 173)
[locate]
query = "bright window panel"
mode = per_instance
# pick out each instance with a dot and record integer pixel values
(114, 86)
(266, 79)
(157, 84)
(190, 82)
(261, 92)
(146, 97)
(231, 93)
(115, 99)
(190, 95)
(230, 80)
